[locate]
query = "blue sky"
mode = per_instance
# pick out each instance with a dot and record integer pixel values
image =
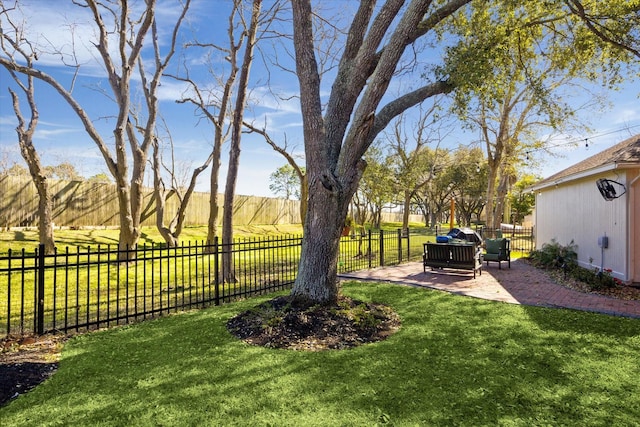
(60, 136)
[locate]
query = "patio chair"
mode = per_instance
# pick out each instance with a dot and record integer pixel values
(498, 250)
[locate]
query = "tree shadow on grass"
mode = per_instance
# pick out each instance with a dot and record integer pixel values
(456, 360)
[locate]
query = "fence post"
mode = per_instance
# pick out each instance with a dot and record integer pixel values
(381, 248)
(399, 246)
(408, 245)
(370, 248)
(533, 239)
(40, 292)
(216, 268)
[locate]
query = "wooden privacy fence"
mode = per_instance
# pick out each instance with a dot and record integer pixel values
(89, 204)
(87, 288)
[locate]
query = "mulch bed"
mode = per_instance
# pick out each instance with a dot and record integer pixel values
(280, 323)
(26, 362)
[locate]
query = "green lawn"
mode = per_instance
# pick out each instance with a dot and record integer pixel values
(456, 361)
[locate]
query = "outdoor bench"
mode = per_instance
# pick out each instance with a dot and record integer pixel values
(452, 255)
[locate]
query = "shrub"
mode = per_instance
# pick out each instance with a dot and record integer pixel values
(554, 255)
(595, 278)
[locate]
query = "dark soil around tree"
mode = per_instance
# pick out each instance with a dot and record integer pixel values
(26, 362)
(280, 323)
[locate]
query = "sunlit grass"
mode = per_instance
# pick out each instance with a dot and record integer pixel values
(16, 240)
(455, 361)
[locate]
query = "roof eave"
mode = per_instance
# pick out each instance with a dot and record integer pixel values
(583, 174)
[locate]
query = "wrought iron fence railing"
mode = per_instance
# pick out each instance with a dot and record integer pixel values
(87, 288)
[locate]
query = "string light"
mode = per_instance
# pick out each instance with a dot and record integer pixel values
(576, 141)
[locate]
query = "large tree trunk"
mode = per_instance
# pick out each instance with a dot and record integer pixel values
(214, 205)
(129, 233)
(45, 210)
(45, 217)
(304, 197)
(492, 172)
(337, 137)
(317, 277)
(501, 195)
(490, 209)
(228, 274)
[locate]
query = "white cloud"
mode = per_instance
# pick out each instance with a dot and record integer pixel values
(626, 115)
(283, 102)
(53, 134)
(8, 120)
(172, 90)
(65, 33)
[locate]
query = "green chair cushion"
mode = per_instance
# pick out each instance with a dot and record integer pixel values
(494, 245)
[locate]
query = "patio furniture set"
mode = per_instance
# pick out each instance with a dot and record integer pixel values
(463, 250)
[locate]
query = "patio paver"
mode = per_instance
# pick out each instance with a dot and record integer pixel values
(521, 284)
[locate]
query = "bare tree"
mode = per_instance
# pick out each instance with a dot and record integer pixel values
(131, 131)
(171, 232)
(24, 53)
(236, 136)
(215, 105)
(219, 103)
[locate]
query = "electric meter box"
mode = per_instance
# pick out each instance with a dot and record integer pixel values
(603, 242)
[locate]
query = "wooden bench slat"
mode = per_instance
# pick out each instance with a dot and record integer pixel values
(455, 256)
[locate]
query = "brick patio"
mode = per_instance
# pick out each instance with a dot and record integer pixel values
(521, 284)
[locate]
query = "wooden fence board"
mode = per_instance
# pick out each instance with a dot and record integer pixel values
(87, 204)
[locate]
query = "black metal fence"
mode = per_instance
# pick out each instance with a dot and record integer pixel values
(522, 238)
(84, 288)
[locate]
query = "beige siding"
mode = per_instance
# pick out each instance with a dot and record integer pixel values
(576, 211)
(634, 225)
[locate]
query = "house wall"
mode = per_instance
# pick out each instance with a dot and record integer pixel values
(634, 222)
(576, 211)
